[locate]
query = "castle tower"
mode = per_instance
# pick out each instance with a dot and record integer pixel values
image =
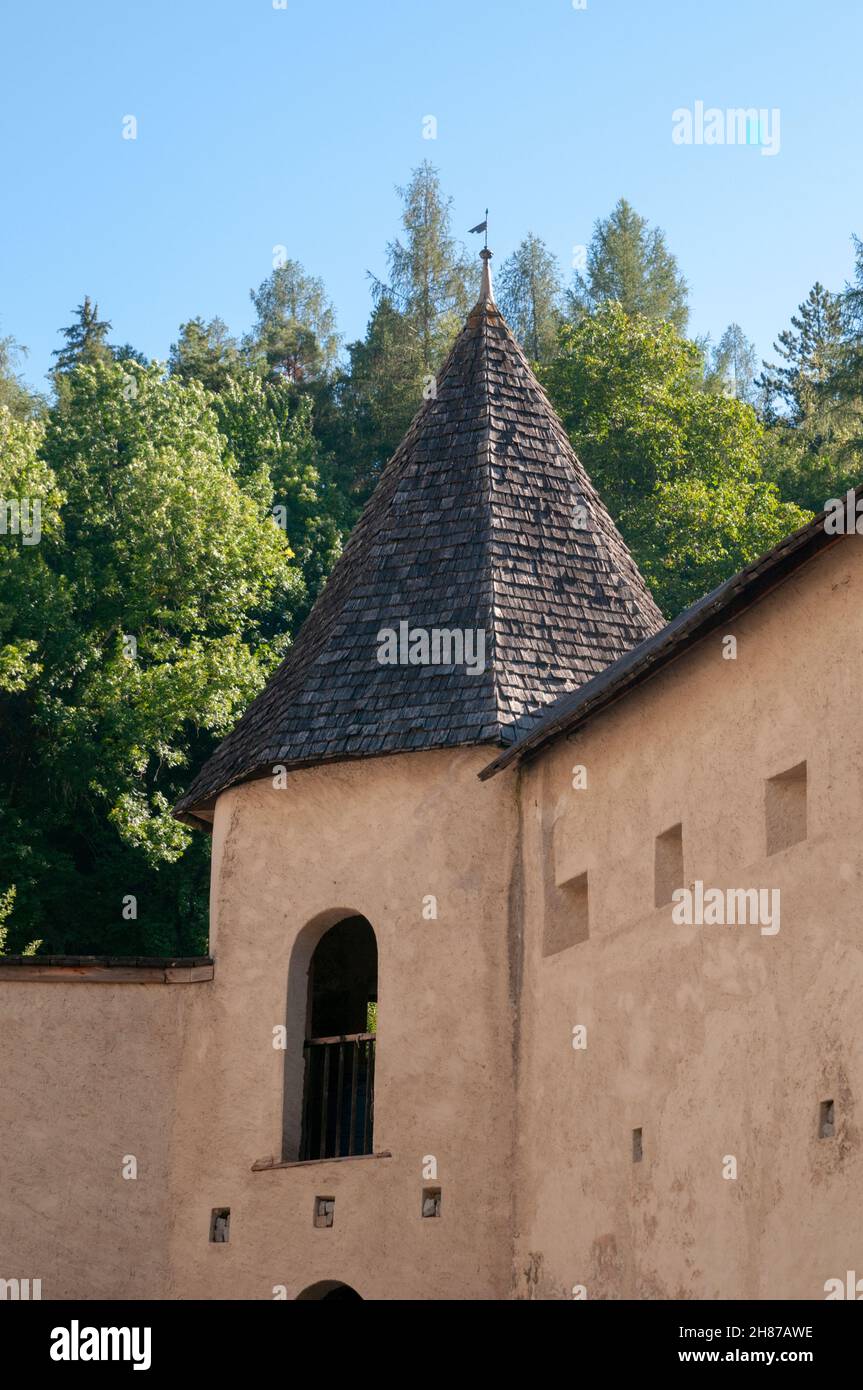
(366, 888)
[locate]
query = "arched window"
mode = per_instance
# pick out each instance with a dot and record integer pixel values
(330, 1289)
(338, 1042)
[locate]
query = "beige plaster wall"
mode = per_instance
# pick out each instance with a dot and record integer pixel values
(372, 838)
(89, 1075)
(715, 1040)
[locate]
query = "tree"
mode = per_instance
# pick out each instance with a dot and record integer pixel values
(86, 339)
(22, 403)
(811, 351)
(267, 426)
(131, 638)
(732, 366)
(204, 352)
(376, 400)
(417, 313)
(430, 280)
(680, 469)
(842, 390)
(813, 423)
(629, 261)
(295, 331)
(125, 352)
(530, 295)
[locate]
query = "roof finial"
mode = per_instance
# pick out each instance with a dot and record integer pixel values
(485, 255)
(486, 290)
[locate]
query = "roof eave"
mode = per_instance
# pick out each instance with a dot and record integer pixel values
(727, 600)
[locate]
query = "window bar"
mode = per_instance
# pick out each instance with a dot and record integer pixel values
(370, 1094)
(339, 1093)
(326, 1096)
(305, 1137)
(355, 1069)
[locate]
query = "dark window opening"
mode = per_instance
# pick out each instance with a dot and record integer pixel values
(325, 1210)
(339, 1048)
(220, 1225)
(826, 1120)
(431, 1201)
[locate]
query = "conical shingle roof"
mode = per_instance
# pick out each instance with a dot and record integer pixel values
(484, 521)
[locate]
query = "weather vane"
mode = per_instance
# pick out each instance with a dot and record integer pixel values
(482, 227)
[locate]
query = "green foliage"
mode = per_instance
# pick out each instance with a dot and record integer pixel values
(813, 402)
(150, 625)
(680, 469)
(188, 519)
(530, 296)
(268, 427)
(14, 395)
(732, 366)
(86, 339)
(295, 332)
(418, 312)
(628, 261)
(205, 352)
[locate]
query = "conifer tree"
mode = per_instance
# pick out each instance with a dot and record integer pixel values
(530, 294)
(629, 261)
(294, 334)
(86, 339)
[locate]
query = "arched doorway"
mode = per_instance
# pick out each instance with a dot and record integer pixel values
(330, 1289)
(333, 1025)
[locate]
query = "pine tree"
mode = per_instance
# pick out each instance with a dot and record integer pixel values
(204, 352)
(811, 351)
(417, 313)
(629, 261)
(810, 404)
(295, 332)
(733, 366)
(14, 395)
(86, 339)
(530, 295)
(430, 281)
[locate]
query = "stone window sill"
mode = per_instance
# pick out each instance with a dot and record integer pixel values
(266, 1165)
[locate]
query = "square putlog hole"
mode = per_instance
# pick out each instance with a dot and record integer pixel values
(431, 1201)
(826, 1120)
(667, 865)
(785, 809)
(325, 1210)
(567, 917)
(220, 1225)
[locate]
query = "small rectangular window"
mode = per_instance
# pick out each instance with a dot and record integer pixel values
(220, 1225)
(668, 865)
(785, 809)
(826, 1120)
(325, 1210)
(431, 1201)
(567, 919)
(637, 1146)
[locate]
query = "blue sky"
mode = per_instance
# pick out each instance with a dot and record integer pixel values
(260, 127)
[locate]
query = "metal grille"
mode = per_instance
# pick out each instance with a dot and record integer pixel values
(338, 1096)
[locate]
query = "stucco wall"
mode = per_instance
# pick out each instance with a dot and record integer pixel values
(89, 1075)
(715, 1040)
(372, 838)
